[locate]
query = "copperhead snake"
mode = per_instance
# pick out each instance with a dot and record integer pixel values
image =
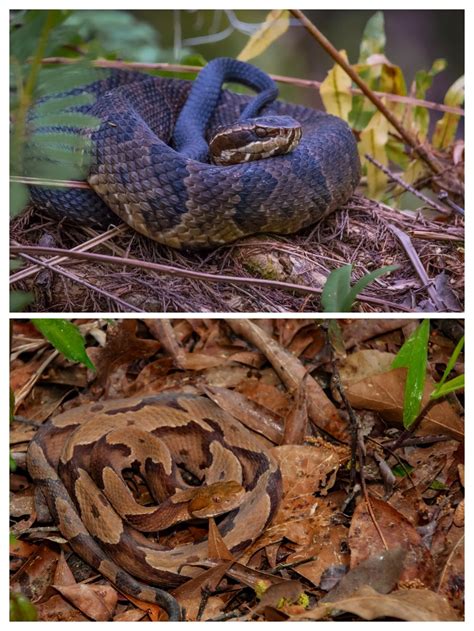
(77, 458)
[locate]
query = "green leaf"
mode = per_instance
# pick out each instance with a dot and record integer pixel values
(338, 295)
(62, 103)
(75, 120)
(450, 386)
(423, 81)
(373, 38)
(21, 608)
(19, 197)
(20, 299)
(401, 471)
(12, 463)
(451, 363)
(413, 356)
(336, 288)
(437, 485)
(65, 337)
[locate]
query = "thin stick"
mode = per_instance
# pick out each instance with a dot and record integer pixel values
(54, 268)
(176, 271)
(83, 247)
(406, 243)
(338, 58)
(408, 187)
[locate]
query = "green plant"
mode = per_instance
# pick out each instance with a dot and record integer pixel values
(338, 294)
(65, 337)
(413, 356)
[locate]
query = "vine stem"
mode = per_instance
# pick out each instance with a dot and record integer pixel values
(407, 136)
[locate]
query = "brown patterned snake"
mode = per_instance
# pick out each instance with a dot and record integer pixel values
(77, 459)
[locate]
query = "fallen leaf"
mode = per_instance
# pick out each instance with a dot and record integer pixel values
(251, 414)
(407, 604)
(122, 347)
(380, 571)
(97, 602)
(384, 393)
(397, 531)
(363, 364)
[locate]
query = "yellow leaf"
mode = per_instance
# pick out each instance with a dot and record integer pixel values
(276, 23)
(335, 91)
(373, 141)
(445, 129)
(415, 171)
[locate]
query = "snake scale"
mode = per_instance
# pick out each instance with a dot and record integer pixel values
(183, 202)
(77, 458)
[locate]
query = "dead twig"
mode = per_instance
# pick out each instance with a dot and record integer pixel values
(406, 243)
(408, 187)
(175, 271)
(409, 138)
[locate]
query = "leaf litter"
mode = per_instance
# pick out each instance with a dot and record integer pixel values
(335, 548)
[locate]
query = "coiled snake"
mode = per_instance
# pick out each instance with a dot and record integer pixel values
(176, 198)
(77, 459)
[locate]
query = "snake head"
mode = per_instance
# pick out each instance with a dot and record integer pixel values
(216, 499)
(254, 139)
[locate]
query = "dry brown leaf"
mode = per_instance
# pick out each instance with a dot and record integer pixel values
(296, 420)
(35, 576)
(360, 330)
(306, 469)
(365, 541)
(248, 412)
(384, 393)
(43, 401)
(380, 571)
(291, 371)
(360, 365)
(57, 609)
(163, 331)
(97, 602)
(267, 395)
(327, 545)
(122, 347)
(216, 546)
(451, 582)
(407, 604)
(190, 594)
(63, 574)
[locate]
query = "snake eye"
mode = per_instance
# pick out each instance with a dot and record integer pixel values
(261, 132)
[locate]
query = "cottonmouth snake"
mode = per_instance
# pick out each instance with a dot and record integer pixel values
(77, 457)
(181, 201)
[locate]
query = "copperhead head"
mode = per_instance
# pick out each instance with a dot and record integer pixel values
(77, 459)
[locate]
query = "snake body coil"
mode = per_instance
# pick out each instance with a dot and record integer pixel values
(160, 433)
(183, 202)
